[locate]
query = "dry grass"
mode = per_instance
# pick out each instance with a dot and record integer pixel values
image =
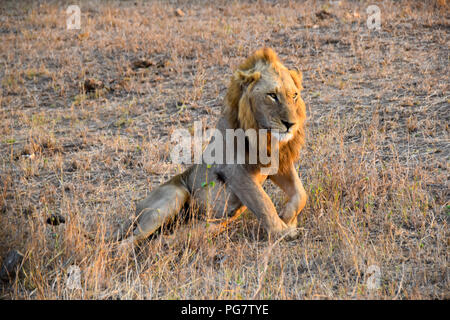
(375, 165)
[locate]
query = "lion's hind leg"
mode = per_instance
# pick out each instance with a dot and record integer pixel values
(159, 208)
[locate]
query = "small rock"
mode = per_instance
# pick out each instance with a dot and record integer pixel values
(92, 85)
(323, 14)
(179, 13)
(55, 220)
(71, 167)
(142, 63)
(9, 267)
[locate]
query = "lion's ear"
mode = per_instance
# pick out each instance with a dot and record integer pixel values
(247, 77)
(297, 77)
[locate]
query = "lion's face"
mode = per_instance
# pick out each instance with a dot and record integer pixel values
(264, 94)
(276, 102)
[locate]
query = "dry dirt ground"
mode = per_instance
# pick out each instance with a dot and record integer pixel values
(86, 118)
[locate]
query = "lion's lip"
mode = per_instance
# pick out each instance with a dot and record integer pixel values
(282, 136)
(279, 131)
(276, 129)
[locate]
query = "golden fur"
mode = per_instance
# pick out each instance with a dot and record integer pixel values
(239, 112)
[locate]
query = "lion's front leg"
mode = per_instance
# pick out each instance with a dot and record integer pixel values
(252, 195)
(291, 184)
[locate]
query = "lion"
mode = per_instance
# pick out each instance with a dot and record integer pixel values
(262, 94)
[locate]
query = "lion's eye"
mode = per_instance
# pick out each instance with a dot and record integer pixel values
(295, 96)
(273, 96)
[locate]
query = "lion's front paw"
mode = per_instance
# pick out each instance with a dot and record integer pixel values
(292, 233)
(288, 234)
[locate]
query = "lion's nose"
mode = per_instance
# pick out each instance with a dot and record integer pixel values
(287, 124)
